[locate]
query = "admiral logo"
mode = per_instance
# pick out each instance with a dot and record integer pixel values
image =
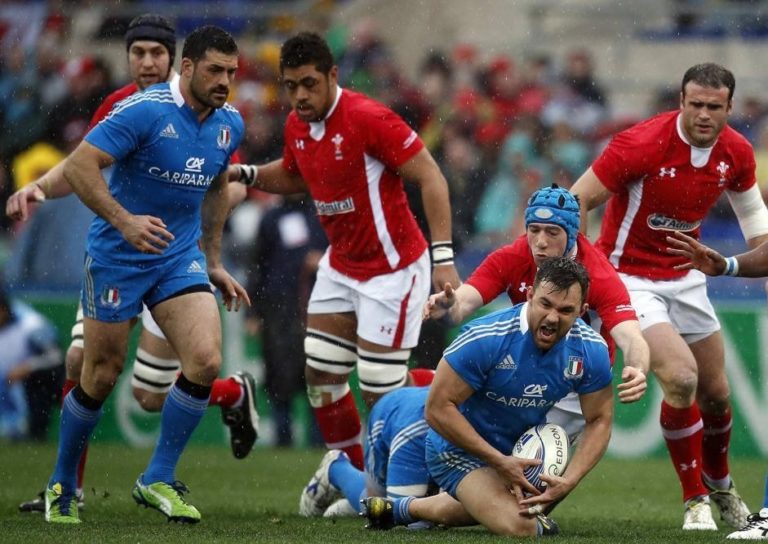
(667, 172)
(534, 390)
(660, 222)
(507, 363)
(334, 208)
(224, 138)
(194, 164)
(625, 308)
(169, 132)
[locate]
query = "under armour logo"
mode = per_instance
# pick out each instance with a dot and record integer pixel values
(523, 287)
(300, 144)
(667, 172)
(684, 467)
(386, 330)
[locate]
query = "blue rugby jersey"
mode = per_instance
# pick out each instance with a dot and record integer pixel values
(514, 382)
(165, 162)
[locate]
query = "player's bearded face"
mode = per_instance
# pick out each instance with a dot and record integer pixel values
(310, 92)
(705, 112)
(211, 78)
(552, 312)
(148, 63)
(546, 240)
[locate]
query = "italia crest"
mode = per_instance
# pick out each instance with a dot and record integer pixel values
(110, 296)
(575, 368)
(225, 137)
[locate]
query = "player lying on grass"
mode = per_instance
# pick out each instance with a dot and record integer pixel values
(497, 379)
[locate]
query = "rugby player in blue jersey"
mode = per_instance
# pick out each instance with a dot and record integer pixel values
(394, 460)
(497, 379)
(170, 147)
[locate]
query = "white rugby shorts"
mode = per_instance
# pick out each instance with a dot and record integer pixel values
(388, 307)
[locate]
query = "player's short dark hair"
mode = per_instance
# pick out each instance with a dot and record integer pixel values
(562, 273)
(153, 27)
(306, 48)
(208, 37)
(709, 74)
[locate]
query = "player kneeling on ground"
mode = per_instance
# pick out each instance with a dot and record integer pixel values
(495, 381)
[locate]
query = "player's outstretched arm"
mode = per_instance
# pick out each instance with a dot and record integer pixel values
(699, 256)
(637, 356)
(591, 192)
(270, 177)
(52, 184)
(454, 304)
(597, 408)
(422, 170)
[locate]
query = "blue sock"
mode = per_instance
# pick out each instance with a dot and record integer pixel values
(77, 424)
(349, 480)
(400, 511)
(765, 496)
(179, 417)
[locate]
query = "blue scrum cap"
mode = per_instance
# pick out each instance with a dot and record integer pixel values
(556, 206)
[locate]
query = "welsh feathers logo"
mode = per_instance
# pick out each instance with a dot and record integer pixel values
(575, 368)
(225, 137)
(110, 296)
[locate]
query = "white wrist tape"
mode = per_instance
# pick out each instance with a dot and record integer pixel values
(248, 174)
(442, 253)
(731, 266)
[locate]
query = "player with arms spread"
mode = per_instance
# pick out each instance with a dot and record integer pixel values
(662, 176)
(352, 154)
(166, 198)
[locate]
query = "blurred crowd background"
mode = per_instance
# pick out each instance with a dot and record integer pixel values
(504, 110)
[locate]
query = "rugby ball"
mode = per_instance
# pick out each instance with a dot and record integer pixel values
(549, 443)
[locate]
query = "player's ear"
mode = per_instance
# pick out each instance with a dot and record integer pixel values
(584, 308)
(529, 293)
(187, 66)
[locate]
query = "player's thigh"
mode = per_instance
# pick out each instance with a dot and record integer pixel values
(490, 503)
(152, 339)
(671, 359)
(192, 325)
(407, 473)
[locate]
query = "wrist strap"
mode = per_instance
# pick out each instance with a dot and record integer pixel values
(248, 174)
(442, 253)
(731, 266)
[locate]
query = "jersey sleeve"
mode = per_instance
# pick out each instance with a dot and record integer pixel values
(746, 178)
(491, 278)
(388, 138)
(121, 132)
(607, 294)
(622, 162)
(289, 159)
(597, 369)
(471, 353)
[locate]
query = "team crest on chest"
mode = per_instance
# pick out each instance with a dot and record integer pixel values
(337, 146)
(575, 368)
(722, 170)
(224, 139)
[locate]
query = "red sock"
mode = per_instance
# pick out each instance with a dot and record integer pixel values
(682, 430)
(714, 446)
(69, 385)
(225, 392)
(421, 376)
(340, 426)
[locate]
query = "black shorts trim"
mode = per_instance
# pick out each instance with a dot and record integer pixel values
(199, 288)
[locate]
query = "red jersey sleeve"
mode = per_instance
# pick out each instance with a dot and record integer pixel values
(506, 266)
(289, 160)
(744, 156)
(387, 137)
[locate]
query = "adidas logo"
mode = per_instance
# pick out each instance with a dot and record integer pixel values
(169, 131)
(195, 268)
(507, 363)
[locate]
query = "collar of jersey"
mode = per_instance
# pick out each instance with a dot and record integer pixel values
(317, 130)
(524, 318)
(699, 155)
(175, 85)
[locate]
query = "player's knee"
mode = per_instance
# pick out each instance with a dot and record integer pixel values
(715, 401)
(149, 401)
(104, 374)
(74, 362)
(381, 373)
(328, 354)
(205, 365)
(682, 383)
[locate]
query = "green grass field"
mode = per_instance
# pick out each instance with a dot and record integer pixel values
(255, 501)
